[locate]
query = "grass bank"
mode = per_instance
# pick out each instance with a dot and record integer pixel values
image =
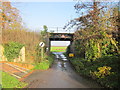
(9, 81)
(45, 63)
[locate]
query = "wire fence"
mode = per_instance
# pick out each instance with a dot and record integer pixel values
(59, 30)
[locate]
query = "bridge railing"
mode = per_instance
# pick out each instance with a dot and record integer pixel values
(60, 30)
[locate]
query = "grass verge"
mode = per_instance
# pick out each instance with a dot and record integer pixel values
(9, 81)
(45, 64)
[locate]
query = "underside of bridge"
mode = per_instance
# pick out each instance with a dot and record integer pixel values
(60, 39)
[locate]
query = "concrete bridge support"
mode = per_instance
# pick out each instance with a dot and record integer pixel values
(48, 45)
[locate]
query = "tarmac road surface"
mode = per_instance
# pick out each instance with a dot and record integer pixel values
(60, 75)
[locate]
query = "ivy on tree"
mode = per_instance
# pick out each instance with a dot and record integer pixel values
(12, 50)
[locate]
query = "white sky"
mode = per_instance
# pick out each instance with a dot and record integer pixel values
(60, 43)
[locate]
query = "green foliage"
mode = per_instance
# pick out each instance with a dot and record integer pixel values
(109, 47)
(50, 57)
(111, 61)
(97, 44)
(44, 33)
(105, 69)
(110, 81)
(12, 50)
(38, 54)
(78, 64)
(67, 50)
(24, 36)
(98, 51)
(9, 81)
(45, 63)
(45, 28)
(92, 50)
(96, 48)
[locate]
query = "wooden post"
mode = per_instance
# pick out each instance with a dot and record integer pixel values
(42, 53)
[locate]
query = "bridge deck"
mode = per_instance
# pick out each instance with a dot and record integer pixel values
(61, 37)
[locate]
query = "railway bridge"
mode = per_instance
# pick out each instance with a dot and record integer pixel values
(59, 34)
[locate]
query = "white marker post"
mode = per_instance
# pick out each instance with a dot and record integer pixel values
(42, 44)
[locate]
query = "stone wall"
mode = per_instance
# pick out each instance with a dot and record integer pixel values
(2, 57)
(21, 57)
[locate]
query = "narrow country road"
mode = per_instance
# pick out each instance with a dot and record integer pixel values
(60, 75)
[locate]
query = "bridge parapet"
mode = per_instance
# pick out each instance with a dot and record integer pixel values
(61, 35)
